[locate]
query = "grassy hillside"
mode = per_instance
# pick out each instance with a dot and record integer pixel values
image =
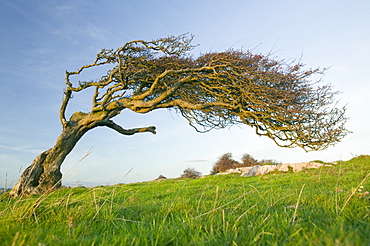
(327, 206)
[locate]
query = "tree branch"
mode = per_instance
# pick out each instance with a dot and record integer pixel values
(63, 107)
(119, 129)
(215, 90)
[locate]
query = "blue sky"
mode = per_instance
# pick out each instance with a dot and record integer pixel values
(40, 40)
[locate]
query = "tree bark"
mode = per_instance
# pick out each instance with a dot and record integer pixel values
(44, 175)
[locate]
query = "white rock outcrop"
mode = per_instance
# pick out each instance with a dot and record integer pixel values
(265, 169)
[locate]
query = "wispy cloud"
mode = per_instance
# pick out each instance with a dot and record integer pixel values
(26, 148)
(64, 8)
(200, 160)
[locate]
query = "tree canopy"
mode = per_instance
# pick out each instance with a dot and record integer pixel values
(216, 90)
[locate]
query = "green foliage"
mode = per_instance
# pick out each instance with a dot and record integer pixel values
(268, 162)
(322, 162)
(326, 206)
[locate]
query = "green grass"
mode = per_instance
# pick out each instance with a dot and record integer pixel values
(327, 206)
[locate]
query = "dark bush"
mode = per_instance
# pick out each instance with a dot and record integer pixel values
(224, 163)
(249, 161)
(160, 177)
(190, 173)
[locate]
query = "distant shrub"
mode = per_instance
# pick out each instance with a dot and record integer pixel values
(225, 162)
(190, 173)
(160, 177)
(249, 161)
(323, 162)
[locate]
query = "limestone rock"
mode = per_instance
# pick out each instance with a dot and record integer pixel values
(244, 169)
(261, 170)
(266, 169)
(251, 172)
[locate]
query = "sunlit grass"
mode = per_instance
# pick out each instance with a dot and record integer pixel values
(327, 206)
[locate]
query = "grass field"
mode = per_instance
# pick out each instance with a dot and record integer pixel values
(326, 206)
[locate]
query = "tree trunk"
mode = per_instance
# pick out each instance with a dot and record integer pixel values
(44, 175)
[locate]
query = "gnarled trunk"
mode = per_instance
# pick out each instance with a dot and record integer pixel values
(44, 175)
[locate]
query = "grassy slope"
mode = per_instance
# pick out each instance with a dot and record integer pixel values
(317, 207)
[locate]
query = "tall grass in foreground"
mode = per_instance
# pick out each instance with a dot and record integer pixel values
(327, 206)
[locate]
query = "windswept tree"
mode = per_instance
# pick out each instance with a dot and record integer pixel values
(215, 90)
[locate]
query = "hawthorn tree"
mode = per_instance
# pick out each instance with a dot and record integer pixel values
(224, 163)
(215, 90)
(249, 161)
